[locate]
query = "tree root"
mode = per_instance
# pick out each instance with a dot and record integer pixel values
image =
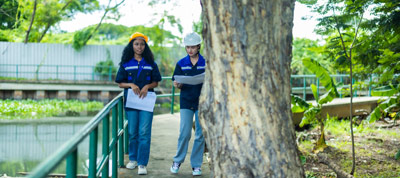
(323, 158)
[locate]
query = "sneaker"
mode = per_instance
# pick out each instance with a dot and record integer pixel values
(131, 165)
(196, 171)
(175, 167)
(142, 170)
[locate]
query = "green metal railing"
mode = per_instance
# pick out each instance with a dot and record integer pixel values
(106, 74)
(117, 146)
(306, 85)
(57, 72)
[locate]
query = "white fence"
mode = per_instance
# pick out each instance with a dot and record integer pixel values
(34, 55)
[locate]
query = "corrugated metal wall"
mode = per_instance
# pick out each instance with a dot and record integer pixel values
(13, 57)
(56, 54)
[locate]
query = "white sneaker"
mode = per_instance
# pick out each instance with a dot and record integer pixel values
(175, 167)
(196, 171)
(131, 165)
(142, 170)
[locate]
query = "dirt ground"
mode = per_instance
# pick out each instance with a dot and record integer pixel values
(375, 150)
(375, 147)
(163, 148)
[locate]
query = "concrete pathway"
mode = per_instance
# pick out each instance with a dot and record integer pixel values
(164, 141)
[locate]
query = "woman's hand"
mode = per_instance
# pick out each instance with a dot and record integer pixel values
(177, 85)
(135, 89)
(143, 92)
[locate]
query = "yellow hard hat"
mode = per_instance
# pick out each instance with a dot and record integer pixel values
(138, 34)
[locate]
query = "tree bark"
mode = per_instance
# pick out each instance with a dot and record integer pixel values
(245, 109)
(30, 25)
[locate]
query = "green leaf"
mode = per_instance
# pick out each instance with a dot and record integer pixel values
(310, 116)
(384, 91)
(397, 156)
(298, 104)
(379, 111)
(314, 90)
(321, 73)
(327, 97)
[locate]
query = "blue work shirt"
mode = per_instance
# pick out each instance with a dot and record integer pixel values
(140, 73)
(189, 97)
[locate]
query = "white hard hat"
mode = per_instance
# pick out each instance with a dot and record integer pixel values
(192, 39)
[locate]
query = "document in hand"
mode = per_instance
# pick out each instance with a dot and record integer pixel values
(191, 80)
(146, 104)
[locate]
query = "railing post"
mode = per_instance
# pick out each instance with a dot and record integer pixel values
(126, 136)
(172, 99)
(74, 73)
(93, 71)
(114, 133)
(106, 129)
(16, 71)
(109, 73)
(341, 81)
(57, 72)
(370, 86)
(72, 160)
(37, 72)
(93, 153)
(121, 127)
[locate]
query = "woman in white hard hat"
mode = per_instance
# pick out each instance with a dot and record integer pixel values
(138, 72)
(191, 65)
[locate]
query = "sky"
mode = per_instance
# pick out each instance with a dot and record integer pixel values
(137, 12)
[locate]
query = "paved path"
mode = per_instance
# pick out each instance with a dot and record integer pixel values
(163, 148)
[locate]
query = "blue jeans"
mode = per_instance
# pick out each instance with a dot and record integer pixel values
(139, 129)
(196, 159)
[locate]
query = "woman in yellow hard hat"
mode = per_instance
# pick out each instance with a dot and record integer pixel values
(138, 72)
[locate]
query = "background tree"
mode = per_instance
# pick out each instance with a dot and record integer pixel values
(245, 101)
(307, 48)
(8, 13)
(82, 37)
(48, 14)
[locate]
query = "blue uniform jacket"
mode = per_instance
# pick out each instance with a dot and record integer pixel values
(140, 73)
(189, 98)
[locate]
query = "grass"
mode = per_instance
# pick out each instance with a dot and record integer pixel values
(36, 109)
(375, 149)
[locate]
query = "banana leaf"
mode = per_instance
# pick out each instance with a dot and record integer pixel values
(323, 75)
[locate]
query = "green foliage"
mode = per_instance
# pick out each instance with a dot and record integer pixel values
(298, 104)
(48, 14)
(8, 9)
(32, 109)
(321, 73)
(312, 114)
(390, 105)
(378, 33)
(390, 69)
(106, 68)
(80, 38)
(306, 48)
(397, 156)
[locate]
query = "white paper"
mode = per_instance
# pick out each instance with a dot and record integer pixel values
(146, 104)
(191, 80)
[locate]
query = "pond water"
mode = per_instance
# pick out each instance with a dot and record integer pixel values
(25, 144)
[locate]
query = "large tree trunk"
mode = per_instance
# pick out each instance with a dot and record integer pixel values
(245, 102)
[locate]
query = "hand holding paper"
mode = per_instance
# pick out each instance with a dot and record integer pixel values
(146, 104)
